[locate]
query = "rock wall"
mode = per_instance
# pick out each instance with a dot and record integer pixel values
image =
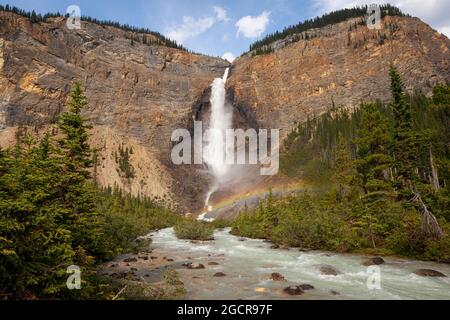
(138, 94)
(344, 64)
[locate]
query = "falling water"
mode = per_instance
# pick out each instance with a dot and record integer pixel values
(214, 149)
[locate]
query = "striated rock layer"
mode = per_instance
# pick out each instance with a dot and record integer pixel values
(138, 94)
(344, 64)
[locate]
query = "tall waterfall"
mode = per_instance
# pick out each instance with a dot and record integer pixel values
(221, 119)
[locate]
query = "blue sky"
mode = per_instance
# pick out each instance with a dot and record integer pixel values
(216, 27)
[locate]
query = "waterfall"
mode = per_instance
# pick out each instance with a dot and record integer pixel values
(214, 148)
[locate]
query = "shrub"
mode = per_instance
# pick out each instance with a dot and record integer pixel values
(194, 230)
(170, 289)
(222, 223)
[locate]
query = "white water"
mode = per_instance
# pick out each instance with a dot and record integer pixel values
(221, 119)
(248, 265)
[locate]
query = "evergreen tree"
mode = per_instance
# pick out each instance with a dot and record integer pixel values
(79, 191)
(405, 139)
(35, 248)
(269, 215)
(373, 152)
(74, 127)
(343, 169)
(406, 154)
(441, 137)
(51, 215)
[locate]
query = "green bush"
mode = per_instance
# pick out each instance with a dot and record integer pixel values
(52, 215)
(222, 223)
(188, 229)
(322, 222)
(170, 288)
(126, 218)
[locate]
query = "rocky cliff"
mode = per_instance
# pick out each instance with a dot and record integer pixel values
(138, 94)
(341, 64)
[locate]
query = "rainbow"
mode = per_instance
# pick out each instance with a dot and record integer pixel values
(260, 191)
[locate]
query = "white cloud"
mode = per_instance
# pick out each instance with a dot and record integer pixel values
(229, 56)
(253, 27)
(221, 14)
(192, 27)
(445, 31)
(434, 12)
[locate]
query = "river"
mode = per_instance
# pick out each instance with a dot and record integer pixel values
(248, 265)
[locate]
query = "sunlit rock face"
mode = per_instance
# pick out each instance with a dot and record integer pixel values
(139, 93)
(344, 64)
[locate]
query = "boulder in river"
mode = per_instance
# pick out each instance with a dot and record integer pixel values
(334, 293)
(306, 287)
(329, 270)
(277, 277)
(130, 260)
(213, 263)
(220, 274)
(120, 275)
(274, 246)
(374, 261)
(293, 290)
(429, 273)
(194, 266)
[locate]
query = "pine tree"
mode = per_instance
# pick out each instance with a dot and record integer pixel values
(343, 168)
(75, 129)
(35, 248)
(406, 154)
(269, 215)
(441, 137)
(405, 139)
(373, 152)
(75, 183)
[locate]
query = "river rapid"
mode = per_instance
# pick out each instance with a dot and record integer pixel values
(239, 268)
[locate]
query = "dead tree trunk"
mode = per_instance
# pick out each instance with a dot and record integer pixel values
(434, 172)
(430, 225)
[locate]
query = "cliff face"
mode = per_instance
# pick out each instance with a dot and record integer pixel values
(344, 64)
(138, 94)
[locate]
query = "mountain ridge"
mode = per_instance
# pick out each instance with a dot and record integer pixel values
(342, 65)
(140, 93)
